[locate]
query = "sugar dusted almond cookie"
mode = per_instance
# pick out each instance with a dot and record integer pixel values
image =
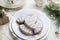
(25, 30)
(30, 25)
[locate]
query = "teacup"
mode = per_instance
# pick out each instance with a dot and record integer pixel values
(41, 3)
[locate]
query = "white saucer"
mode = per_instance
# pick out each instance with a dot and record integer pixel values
(7, 4)
(45, 20)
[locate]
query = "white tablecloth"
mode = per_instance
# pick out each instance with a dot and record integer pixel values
(4, 29)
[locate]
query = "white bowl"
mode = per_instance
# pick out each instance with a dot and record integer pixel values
(7, 4)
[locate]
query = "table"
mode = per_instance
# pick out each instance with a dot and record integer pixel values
(4, 29)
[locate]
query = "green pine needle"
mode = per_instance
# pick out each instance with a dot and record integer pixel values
(2, 13)
(53, 9)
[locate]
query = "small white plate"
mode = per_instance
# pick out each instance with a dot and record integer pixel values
(7, 4)
(45, 20)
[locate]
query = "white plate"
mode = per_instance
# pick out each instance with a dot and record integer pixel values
(45, 20)
(42, 38)
(7, 4)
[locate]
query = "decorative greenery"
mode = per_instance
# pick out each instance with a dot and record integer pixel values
(1, 12)
(12, 2)
(1, 7)
(54, 9)
(56, 33)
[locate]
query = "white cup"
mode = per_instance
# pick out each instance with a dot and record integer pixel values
(41, 3)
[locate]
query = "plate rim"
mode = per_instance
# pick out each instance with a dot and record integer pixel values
(12, 6)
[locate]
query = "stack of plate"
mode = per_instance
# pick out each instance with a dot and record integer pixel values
(15, 29)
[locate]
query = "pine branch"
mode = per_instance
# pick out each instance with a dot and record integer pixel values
(53, 9)
(2, 13)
